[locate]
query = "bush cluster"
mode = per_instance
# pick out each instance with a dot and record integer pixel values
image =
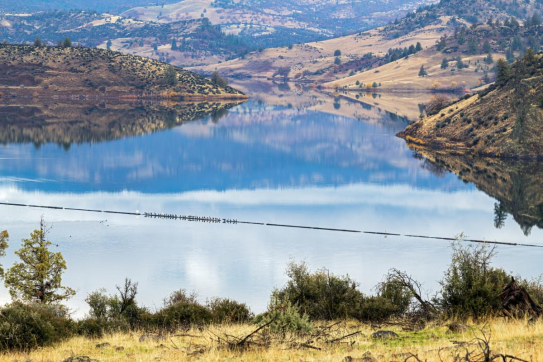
(469, 289)
(29, 326)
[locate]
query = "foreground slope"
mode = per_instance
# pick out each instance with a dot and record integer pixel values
(66, 72)
(504, 121)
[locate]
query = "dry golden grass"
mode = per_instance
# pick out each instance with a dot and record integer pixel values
(319, 55)
(513, 338)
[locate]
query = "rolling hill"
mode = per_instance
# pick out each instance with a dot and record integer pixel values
(198, 41)
(68, 72)
(504, 121)
(450, 42)
(265, 23)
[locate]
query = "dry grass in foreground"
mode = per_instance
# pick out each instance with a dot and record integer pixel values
(437, 343)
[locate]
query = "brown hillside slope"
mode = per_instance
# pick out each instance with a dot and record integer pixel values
(504, 121)
(58, 72)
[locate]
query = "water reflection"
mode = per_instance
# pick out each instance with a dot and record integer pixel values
(516, 185)
(295, 159)
(80, 122)
(255, 145)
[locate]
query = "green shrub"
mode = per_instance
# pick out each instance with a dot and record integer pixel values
(320, 295)
(284, 317)
(98, 327)
(181, 315)
(376, 309)
(229, 311)
(399, 296)
(470, 287)
(117, 310)
(29, 326)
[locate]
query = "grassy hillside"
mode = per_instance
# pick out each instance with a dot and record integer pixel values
(67, 72)
(197, 41)
(504, 121)
(265, 23)
(457, 48)
(513, 338)
(316, 62)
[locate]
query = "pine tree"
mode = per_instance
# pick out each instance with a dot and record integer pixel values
(67, 43)
(444, 63)
(38, 277)
(489, 59)
(486, 47)
(108, 45)
(174, 44)
(37, 42)
(502, 71)
(170, 74)
(418, 47)
(423, 72)
(459, 63)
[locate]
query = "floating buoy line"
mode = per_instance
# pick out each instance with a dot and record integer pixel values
(216, 220)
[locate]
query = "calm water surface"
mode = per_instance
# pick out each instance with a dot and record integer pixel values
(338, 167)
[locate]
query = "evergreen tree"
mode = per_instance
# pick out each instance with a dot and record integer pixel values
(170, 74)
(423, 72)
(37, 42)
(486, 47)
(509, 55)
(174, 44)
(38, 277)
(459, 63)
(489, 59)
(502, 71)
(461, 39)
(444, 63)
(108, 45)
(441, 43)
(517, 43)
(473, 45)
(418, 47)
(67, 43)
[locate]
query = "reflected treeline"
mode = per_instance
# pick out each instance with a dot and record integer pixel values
(515, 184)
(65, 124)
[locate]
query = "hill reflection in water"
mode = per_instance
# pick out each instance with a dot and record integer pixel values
(81, 122)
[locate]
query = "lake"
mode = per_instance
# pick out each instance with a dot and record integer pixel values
(297, 157)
